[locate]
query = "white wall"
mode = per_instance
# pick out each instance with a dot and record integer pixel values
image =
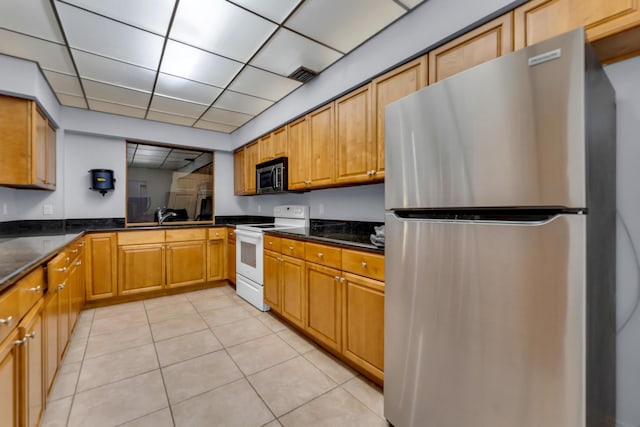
(424, 26)
(624, 77)
(83, 152)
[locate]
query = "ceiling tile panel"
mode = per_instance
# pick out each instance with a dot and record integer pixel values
(276, 10)
(170, 118)
(263, 84)
(242, 103)
(72, 101)
(114, 72)
(64, 83)
(225, 116)
(344, 24)
(115, 94)
(33, 17)
(195, 64)
(49, 55)
(287, 51)
(150, 15)
(175, 106)
(188, 90)
(93, 33)
(123, 110)
(219, 127)
(220, 27)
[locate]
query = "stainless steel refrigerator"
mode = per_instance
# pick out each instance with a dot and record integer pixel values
(500, 245)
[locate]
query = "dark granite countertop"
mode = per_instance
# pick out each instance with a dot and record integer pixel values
(19, 254)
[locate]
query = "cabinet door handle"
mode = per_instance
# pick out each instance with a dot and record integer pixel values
(79, 263)
(270, 243)
(62, 269)
(337, 278)
(363, 264)
(74, 251)
(81, 244)
(320, 254)
(61, 286)
(8, 321)
(342, 279)
(32, 335)
(36, 289)
(290, 248)
(22, 341)
(68, 259)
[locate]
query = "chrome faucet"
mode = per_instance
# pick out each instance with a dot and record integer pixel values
(162, 215)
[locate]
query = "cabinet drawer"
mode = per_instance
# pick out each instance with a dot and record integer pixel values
(231, 234)
(215, 233)
(140, 237)
(272, 243)
(294, 248)
(363, 264)
(186, 235)
(31, 289)
(323, 254)
(9, 311)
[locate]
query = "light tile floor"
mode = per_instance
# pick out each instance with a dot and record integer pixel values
(205, 358)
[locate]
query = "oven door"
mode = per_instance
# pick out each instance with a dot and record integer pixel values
(266, 179)
(249, 246)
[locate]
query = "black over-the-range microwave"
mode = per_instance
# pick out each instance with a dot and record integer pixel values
(271, 176)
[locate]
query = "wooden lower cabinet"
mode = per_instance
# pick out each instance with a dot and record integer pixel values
(141, 268)
(363, 331)
(32, 393)
(217, 254)
(231, 255)
(50, 318)
(272, 280)
(324, 305)
(293, 290)
(101, 272)
(10, 381)
(186, 263)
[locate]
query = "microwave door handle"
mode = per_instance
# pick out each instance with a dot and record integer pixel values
(273, 179)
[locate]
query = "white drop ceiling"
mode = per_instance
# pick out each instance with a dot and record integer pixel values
(211, 64)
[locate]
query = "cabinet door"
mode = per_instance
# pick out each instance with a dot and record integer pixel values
(299, 154)
(15, 134)
(186, 263)
(321, 147)
(272, 280)
(293, 289)
(363, 320)
(141, 268)
(355, 152)
(64, 308)
(265, 149)
(388, 88)
(51, 338)
(39, 150)
(279, 142)
(32, 394)
(238, 172)
(489, 41)
(9, 381)
(74, 283)
(324, 305)
(100, 266)
(51, 157)
(217, 256)
(250, 161)
(231, 259)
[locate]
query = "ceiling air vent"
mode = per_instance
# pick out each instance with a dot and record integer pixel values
(303, 74)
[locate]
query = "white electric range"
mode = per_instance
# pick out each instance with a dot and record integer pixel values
(249, 250)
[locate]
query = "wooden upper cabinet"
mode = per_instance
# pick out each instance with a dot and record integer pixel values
(251, 153)
(298, 153)
(279, 142)
(321, 147)
(355, 149)
(238, 172)
(486, 42)
(613, 26)
(265, 149)
(27, 152)
(388, 88)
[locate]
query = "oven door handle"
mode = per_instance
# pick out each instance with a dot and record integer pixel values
(274, 184)
(247, 233)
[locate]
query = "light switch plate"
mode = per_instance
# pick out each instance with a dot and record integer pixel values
(47, 209)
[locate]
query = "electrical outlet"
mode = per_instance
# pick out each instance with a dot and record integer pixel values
(47, 209)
